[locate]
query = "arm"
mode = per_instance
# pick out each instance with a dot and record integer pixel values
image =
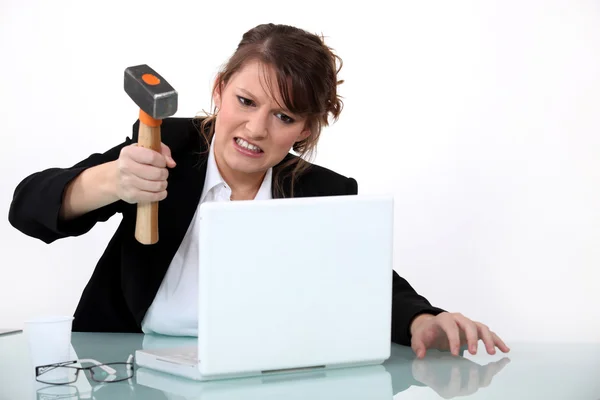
(94, 188)
(37, 205)
(407, 306)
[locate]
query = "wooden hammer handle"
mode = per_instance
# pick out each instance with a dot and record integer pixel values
(146, 226)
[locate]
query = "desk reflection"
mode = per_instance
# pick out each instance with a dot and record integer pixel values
(449, 376)
(368, 382)
(361, 383)
(83, 390)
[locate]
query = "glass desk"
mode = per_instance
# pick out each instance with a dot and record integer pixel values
(529, 371)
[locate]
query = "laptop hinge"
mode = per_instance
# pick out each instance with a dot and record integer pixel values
(271, 371)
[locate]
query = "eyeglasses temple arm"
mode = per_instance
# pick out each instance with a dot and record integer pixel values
(106, 368)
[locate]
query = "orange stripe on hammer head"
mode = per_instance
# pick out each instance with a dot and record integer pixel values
(150, 79)
(148, 120)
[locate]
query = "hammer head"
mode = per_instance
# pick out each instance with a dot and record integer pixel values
(150, 91)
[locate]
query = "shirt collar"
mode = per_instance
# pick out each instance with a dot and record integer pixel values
(214, 178)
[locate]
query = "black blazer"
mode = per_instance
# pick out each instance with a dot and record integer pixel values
(128, 274)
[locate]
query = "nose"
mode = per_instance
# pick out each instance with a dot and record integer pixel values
(257, 125)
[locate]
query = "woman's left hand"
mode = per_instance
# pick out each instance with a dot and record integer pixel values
(450, 331)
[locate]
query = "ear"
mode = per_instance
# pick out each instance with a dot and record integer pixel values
(303, 135)
(217, 97)
(217, 90)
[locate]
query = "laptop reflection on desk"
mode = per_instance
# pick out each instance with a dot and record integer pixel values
(357, 383)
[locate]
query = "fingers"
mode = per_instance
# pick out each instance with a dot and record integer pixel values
(134, 189)
(500, 344)
(145, 185)
(166, 152)
(457, 330)
(470, 329)
(148, 197)
(144, 171)
(170, 162)
(424, 336)
(450, 326)
(486, 336)
(418, 345)
(475, 331)
(132, 195)
(146, 156)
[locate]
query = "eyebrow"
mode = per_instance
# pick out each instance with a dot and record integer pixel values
(247, 93)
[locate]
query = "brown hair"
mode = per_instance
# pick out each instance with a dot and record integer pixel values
(306, 72)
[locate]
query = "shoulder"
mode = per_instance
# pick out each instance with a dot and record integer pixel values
(316, 180)
(329, 181)
(179, 134)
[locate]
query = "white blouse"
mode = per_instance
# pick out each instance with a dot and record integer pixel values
(174, 310)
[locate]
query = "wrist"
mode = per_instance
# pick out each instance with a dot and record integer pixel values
(110, 182)
(100, 183)
(93, 188)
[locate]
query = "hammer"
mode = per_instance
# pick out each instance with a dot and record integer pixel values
(157, 100)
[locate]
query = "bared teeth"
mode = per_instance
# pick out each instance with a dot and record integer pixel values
(246, 145)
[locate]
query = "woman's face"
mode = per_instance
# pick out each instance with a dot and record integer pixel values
(252, 133)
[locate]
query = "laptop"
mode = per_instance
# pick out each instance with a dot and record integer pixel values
(288, 285)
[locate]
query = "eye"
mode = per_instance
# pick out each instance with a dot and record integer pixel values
(244, 101)
(285, 118)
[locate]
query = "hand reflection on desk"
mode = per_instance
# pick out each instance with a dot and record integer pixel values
(451, 376)
(448, 375)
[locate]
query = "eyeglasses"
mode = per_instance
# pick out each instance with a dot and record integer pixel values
(66, 373)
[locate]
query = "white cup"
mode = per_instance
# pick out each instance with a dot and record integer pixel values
(49, 339)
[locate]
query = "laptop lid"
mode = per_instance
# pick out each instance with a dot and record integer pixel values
(294, 283)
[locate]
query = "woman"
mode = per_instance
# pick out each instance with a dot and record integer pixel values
(274, 95)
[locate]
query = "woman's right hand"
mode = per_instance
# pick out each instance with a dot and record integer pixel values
(142, 174)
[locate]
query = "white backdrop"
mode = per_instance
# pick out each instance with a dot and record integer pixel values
(481, 117)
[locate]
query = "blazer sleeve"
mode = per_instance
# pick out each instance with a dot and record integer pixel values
(406, 302)
(406, 305)
(37, 200)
